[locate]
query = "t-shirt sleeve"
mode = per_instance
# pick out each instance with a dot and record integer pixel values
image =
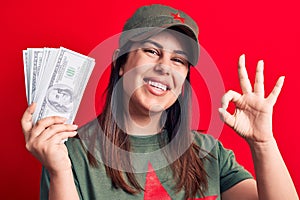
(231, 172)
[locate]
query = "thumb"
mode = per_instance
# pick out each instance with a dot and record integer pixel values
(226, 117)
(26, 120)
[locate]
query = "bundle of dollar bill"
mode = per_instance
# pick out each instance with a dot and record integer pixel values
(56, 79)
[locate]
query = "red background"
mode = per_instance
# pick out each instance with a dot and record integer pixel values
(266, 30)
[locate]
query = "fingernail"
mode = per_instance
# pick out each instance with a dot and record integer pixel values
(242, 58)
(75, 126)
(64, 140)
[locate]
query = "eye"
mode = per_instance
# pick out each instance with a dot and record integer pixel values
(151, 51)
(180, 61)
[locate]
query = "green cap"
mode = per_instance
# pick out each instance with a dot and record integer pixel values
(150, 20)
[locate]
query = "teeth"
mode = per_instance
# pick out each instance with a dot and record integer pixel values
(158, 85)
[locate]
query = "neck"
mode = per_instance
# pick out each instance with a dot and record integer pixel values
(143, 124)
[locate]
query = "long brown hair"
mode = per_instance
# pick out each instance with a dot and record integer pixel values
(188, 168)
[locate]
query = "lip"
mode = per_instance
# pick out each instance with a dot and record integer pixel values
(154, 90)
(158, 80)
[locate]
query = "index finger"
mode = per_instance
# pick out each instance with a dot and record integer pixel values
(243, 76)
(44, 123)
(272, 98)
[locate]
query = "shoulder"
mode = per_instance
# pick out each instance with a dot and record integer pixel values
(88, 130)
(224, 164)
(211, 145)
(206, 142)
(202, 138)
(86, 133)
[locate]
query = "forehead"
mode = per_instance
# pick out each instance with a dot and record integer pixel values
(167, 39)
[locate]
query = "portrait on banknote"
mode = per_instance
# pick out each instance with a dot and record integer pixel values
(60, 98)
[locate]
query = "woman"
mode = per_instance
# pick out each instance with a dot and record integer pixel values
(141, 146)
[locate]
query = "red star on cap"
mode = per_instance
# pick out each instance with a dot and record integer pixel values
(177, 17)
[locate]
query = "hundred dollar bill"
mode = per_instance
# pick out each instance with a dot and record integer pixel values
(26, 73)
(35, 60)
(48, 62)
(35, 68)
(62, 84)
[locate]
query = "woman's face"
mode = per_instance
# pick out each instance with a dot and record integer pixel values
(154, 73)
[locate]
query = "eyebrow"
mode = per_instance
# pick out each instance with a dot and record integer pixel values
(161, 47)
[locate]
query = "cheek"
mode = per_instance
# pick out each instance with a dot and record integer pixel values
(133, 60)
(179, 80)
(131, 81)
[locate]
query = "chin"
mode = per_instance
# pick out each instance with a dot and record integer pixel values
(156, 109)
(159, 107)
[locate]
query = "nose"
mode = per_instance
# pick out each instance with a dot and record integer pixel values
(163, 65)
(162, 69)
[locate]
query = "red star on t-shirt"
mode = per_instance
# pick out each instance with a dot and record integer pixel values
(177, 17)
(155, 191)
(153, 188)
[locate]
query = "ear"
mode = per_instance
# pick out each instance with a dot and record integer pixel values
(115, 57)
(121, 72)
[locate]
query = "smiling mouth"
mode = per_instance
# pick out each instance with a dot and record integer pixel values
(156, 84)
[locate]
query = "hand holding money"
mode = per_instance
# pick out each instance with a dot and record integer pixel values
(55, 79)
